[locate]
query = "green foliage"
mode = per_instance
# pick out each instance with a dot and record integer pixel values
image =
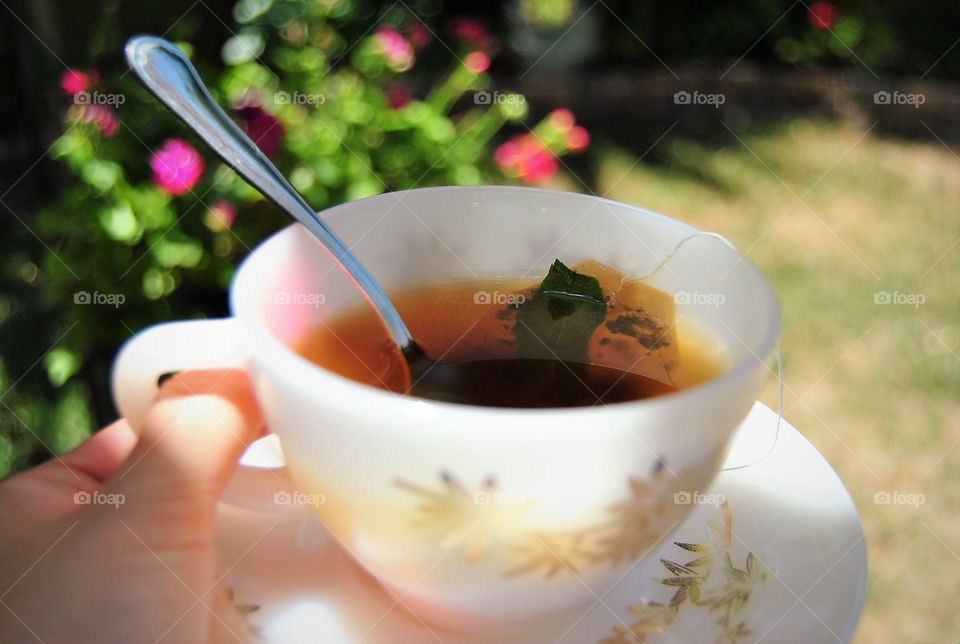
(330, 90)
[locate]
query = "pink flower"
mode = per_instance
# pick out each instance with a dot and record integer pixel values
(261, 126)
(73, 81)
(397, 96)
(823, 15)
(477, 62)
(577, 139)
(419, 35)
(526, 158)
(220, 216)
(472, 32)
(561, 120)
(101, 116)
(176, 166)
(396, 48)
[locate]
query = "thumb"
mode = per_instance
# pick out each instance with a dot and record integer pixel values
(191, 439)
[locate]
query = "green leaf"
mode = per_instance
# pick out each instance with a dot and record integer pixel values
(120, 223)
(363, 188)
(564, 281)
(559, 320)
(466, 175)
(243, 47)
(151, 207)
(513, 107)
(101, 175)
(170, 253)
(157, 283)
(72, 143)
(61, 364)
(72, 418)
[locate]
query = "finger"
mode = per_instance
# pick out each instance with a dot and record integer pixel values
(48, 492)
(102, 454)
(198, 426)
(189, 444)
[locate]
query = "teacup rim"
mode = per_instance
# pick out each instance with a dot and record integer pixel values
(325, 379)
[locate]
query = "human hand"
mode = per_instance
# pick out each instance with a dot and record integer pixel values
(113, 541)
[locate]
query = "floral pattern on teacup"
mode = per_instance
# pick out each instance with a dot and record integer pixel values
(472, 521)
(488, 518)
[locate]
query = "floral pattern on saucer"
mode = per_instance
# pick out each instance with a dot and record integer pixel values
(709, 580)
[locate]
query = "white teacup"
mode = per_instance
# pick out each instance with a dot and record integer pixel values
(478, 517)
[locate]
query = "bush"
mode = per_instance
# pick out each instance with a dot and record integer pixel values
(151, 227)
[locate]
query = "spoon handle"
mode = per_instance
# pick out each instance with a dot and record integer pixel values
(170, 76)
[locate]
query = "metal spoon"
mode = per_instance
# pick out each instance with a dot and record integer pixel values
(170, 76)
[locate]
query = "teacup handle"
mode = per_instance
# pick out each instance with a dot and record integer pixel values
(199, 344)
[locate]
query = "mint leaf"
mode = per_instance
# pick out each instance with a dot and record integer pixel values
(559, 320)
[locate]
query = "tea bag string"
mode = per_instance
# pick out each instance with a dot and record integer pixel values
(777, 353)
(776, 430)
(679, 245)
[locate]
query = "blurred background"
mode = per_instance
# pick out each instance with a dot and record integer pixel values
(822, 138)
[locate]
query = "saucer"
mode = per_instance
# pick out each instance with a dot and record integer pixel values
(772, 552)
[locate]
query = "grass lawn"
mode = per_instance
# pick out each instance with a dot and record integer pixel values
(835, 213)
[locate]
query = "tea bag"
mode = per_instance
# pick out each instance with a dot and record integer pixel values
(639, 333)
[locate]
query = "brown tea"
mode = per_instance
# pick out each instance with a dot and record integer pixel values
(503, 343)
